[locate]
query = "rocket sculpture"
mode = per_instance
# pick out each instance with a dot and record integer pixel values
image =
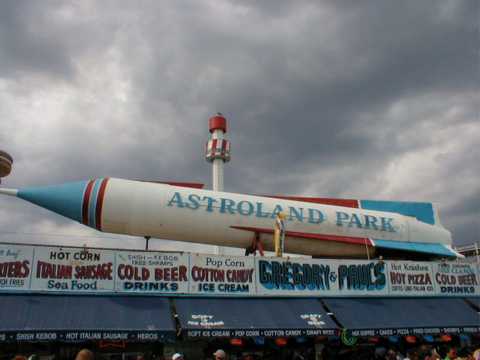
(314, 226)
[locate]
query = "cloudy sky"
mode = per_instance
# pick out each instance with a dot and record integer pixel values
(370, 99)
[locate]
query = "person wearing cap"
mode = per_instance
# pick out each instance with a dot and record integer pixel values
(220, 355)
(177, 356)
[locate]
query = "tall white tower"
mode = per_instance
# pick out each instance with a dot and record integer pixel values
(217, 152)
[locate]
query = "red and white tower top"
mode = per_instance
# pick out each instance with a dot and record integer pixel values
(218, 149)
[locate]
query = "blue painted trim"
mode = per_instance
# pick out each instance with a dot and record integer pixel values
(437, 249)
(421, 210)
(65, 199)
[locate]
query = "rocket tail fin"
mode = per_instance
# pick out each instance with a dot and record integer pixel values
(422, 211)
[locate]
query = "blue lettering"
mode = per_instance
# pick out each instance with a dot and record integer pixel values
(278, 209)
(259, 212)
(194, 201)
(297, 213)
(387, 224)
(227, 205)
(210, 202)
(241, 209)
(265, 274)
(362, 277)
(379, 271)
(355, 221)
(297, 276)
(176, 199)
(315, 216)
(341, 218)
(371, 222)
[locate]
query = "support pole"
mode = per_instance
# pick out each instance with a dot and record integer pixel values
(279, 235)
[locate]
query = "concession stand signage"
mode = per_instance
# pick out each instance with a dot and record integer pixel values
(313, 277)
(26, 268)
(457, 279)
(225, 275)
(15, 267)
(415, 331)
(411, 279)
(151, 272)
(259, 332)
(74, 336)
(72, 270)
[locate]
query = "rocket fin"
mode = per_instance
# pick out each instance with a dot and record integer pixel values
(422, 211)
(304, 235)
(426, 248)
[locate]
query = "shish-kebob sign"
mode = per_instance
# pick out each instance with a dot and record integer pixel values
(76, 270)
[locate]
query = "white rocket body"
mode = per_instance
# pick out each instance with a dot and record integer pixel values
(228, 219)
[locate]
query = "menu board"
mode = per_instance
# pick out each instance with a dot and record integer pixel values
(411, 278)
(73, 270)
(456, 279)
(222, 275)
(87, 270)
(15, 267)
(151, 272)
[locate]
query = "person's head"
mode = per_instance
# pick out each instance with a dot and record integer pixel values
(177, 356)
(434, 355)
(412, 354)
(84, 354)
(219, 355)
(452, 352)
(391, 354)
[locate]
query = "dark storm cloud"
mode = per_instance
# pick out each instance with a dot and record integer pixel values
(29, 43)
(298, 95)
(322, 98)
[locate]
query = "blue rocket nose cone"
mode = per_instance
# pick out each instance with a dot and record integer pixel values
(81, 201)
(65, 199)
